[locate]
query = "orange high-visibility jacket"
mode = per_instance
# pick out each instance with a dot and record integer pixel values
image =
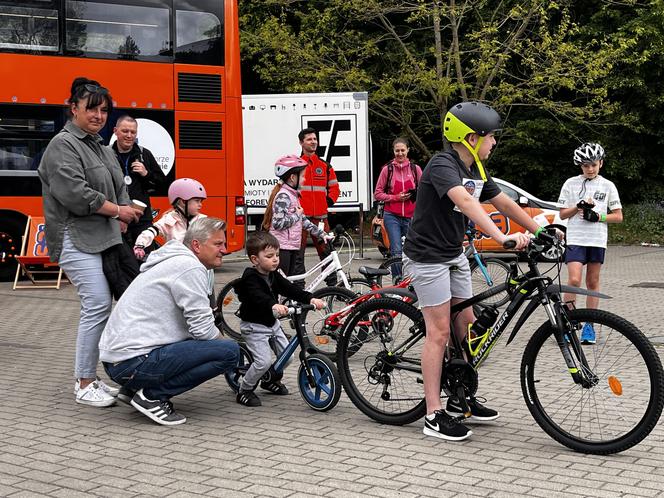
(320, 188)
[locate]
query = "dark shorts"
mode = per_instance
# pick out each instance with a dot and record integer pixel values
(583, 254)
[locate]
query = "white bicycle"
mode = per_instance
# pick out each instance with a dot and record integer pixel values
(228, 304)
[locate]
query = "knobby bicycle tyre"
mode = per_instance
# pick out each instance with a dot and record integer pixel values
(323, 339)
(228, 305)
(499, 272)
(612, 414)
(383, 383)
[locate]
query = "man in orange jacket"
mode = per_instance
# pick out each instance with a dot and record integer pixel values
(319, 191)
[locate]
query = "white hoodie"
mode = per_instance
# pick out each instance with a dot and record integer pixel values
(167, 303)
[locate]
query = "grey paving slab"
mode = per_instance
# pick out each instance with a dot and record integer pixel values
(50, 446)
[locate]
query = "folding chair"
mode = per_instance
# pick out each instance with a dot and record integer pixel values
(33, 260)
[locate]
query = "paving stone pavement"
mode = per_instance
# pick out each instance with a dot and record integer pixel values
(50, 446)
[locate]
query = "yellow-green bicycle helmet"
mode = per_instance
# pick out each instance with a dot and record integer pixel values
(471, 117)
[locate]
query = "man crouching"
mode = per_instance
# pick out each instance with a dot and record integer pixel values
(161, 340)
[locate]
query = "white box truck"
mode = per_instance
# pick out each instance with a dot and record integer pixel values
(271, 124)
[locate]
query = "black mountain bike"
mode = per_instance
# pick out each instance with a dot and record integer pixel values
(602, 398)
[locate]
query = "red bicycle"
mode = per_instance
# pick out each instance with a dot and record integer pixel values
(326, 324)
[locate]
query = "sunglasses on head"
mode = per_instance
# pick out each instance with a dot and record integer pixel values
(95, 88)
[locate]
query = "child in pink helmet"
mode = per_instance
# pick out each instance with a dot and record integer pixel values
(186, 195)
(284, 217)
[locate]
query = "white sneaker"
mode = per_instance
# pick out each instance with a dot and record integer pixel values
(94, 395)
(113, 391)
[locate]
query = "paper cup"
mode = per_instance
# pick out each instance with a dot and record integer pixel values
(138, 205)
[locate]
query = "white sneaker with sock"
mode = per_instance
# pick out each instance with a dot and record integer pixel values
(113, 391)
(94, 395)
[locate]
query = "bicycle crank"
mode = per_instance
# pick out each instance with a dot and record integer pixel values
(458, 374)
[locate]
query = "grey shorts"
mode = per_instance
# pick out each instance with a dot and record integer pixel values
(437, 283)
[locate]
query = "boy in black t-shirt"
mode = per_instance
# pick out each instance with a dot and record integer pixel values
(450, 191)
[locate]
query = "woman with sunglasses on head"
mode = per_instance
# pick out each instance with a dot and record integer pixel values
(85, 208)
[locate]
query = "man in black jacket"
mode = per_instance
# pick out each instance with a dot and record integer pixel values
(258, 292)
(142, 175)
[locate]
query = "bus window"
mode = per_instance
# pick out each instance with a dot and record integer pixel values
(22, 142)
(199, 27)
(29, 27)
(119, 29)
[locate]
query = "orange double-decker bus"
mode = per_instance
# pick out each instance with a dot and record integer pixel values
(174, 65)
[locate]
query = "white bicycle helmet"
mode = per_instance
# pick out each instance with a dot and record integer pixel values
(588, 153)
(286, 165)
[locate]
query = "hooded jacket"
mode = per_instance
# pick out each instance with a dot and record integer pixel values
(401, 181)
(167, 303)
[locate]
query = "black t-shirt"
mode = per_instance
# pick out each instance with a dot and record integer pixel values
(437, 229)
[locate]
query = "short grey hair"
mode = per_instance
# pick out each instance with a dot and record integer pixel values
(125, 117)
(202, 229)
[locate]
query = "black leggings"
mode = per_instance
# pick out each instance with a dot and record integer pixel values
(288, 260)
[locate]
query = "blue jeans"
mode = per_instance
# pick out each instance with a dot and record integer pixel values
(397, 227)
(85, 272)
(176, 368)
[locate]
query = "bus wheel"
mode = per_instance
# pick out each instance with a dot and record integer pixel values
(11, 228)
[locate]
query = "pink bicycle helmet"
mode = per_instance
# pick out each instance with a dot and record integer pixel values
(185, 189)
(288, 164)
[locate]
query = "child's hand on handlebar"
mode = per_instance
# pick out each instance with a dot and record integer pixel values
(520, 239)
(559, 234)
(328, 237)
(279, 310)
(318, 303)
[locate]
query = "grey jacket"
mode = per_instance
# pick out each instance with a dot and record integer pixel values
(167, 303)
(78, 174)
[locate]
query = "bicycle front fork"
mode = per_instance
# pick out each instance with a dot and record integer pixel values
(570, 346)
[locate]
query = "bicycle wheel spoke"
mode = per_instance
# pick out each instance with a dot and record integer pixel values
(610, 409)
(380, 335)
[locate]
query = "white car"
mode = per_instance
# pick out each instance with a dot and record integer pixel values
(545, 213)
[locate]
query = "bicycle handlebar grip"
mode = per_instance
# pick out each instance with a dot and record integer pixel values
(302, 307)
(547, 238)
(509, 244)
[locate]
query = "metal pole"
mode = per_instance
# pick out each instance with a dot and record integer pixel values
(361, 231)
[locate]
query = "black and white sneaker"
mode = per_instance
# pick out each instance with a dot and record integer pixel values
(443, 426)
(275, 388)
(125, 395)
(161, 412)
(248, 398)
(480, 413)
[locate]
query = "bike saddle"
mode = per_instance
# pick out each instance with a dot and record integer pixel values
(373, 272)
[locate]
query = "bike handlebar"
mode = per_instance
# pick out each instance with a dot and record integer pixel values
(544, 238)
(292, 310)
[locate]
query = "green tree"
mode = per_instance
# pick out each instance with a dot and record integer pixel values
(562, 72)
(417, 57)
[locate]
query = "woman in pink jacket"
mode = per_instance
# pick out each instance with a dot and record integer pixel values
(397, 188)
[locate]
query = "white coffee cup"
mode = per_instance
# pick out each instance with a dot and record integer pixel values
(136, 204)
